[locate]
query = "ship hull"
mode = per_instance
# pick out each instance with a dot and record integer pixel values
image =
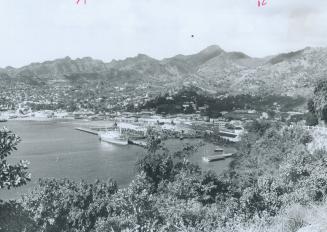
(114, 141)
(113, 137)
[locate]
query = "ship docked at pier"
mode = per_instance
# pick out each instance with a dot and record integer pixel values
(123, 134)
(114, 137)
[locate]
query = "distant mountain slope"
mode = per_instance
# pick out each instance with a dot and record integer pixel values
(60, 67)
(211, 69)
(293, 73)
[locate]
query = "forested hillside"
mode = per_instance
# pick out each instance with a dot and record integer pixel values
(190, 100)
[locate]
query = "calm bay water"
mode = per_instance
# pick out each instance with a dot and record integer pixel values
(56, 150)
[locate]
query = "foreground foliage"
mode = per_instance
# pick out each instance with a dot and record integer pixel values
(11, 175)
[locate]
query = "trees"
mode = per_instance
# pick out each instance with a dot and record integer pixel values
(64, 205)
(216, 104)
(275, 170)
(159, 164)
(311, 119)
(311, 106)
(258, 127)
(320, 100)
(11, 175)
(13, 217)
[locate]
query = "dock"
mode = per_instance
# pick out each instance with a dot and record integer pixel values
(90, 131)
(134, 141)
(217, 157)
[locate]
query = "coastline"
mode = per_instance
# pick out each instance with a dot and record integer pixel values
(56, 150)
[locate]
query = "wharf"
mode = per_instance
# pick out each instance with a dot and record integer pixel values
(134, 141)
(217, 157)
(90, 131)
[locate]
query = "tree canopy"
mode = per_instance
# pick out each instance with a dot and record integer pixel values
(11, 175)
(320, 100)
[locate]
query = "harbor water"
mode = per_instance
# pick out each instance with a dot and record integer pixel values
(56, 150)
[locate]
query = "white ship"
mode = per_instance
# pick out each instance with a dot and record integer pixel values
(114, 137)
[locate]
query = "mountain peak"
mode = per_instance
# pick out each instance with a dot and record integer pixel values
(143, 56)
(212, 49)
(67, 58)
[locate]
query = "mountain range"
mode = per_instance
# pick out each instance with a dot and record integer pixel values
(212, 69)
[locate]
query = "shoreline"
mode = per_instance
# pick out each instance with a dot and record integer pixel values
(57, 151)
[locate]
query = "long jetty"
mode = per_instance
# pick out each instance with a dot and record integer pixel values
(90, 131)
(133, 141)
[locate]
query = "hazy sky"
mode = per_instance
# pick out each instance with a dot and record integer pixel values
(38, 30)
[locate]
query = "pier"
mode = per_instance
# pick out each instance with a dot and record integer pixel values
(217, 157)
(131, 140)
(90, 131)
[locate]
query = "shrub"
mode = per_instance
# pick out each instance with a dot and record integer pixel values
(64, 205)
(14, 218)
(11, 175)
(311, 119)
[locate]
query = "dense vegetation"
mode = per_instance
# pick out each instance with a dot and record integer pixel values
(318, 105)
(11, 175)
(272, 175)
(181, 103)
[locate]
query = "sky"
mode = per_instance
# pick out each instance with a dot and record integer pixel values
(39, 30)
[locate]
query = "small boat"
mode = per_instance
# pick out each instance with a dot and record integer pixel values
(3, 120)
(213, 158)
(219, 149)
(217, 157)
